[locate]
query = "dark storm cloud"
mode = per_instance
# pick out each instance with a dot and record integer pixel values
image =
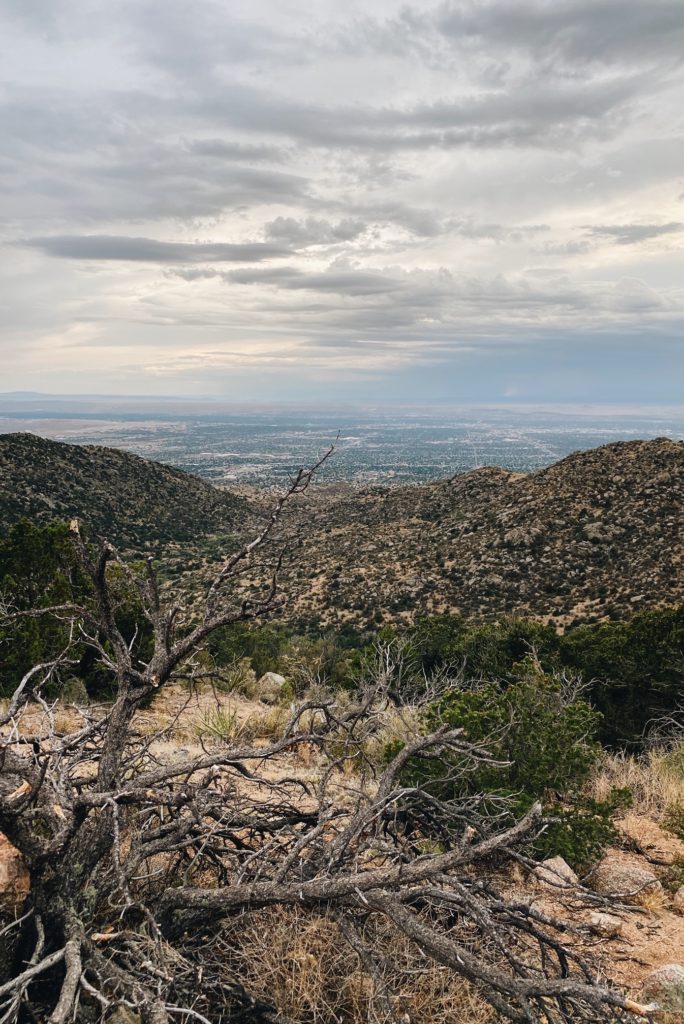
(150, 250)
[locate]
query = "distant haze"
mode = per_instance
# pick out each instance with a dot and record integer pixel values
(263, 444)
(465, 201)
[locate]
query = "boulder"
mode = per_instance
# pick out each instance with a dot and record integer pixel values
(678, 899)
(14, 877)
(270, 687)
(606, 925)
(557, 872)
(625, 879)
(665, 988)
(122, 1015)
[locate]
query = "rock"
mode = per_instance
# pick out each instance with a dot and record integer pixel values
(14, 877)
(625, 879)
(555, 871)
(678, 900)
(594, 531)
(122, 1015)
(269, 687)
(606, 924)
(665, 987)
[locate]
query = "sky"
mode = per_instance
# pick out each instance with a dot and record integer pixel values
(473, 200)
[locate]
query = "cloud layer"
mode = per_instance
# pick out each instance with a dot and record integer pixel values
(427, 200)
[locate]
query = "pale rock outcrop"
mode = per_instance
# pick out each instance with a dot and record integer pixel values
(625, 879)
(556, 872)
(607, 925)
(270, 687)
(678, 900)
(665, 988)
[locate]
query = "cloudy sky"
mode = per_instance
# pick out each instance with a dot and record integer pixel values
(469, 200)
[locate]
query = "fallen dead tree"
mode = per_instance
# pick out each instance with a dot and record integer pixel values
(137, 861)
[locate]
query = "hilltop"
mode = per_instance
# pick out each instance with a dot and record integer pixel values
(596, 534)
(131, 501)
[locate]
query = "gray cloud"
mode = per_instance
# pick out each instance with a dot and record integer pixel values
(607, 31)
(335, 280)
(223, 149)
(312, 231)
(422, 178)
(150, 250)
(558, 35)
(632, 234)
(527, 115)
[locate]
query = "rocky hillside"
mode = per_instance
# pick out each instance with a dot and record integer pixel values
(600, 533)
(129, 500)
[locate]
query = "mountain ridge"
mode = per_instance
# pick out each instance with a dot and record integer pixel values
(132, 501)
(595, 535)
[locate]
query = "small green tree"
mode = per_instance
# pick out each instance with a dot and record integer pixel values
(540, 733)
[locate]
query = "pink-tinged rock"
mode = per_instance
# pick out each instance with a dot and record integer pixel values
(625, 879)
(556, 871)
(665, 987)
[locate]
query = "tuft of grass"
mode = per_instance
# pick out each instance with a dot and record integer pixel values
(225, 725)
(221, 723)
(655, 780)
(397, 725)
(239, 677)
(267, 725)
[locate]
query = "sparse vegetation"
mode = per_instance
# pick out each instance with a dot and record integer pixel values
(347, 853)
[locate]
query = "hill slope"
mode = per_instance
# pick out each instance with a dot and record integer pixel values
(131, 501)
(599, 533)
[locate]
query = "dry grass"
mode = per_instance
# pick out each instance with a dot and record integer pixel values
(223, 723)
(655, 780)
(397, 725)
(304, 965)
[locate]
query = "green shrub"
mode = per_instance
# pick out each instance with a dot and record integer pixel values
(581, 833)
(674, 820)
(545, 732)
(542, 732)
(73, 691)
(635, 667)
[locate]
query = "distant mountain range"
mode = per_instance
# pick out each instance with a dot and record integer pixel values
(600, 533)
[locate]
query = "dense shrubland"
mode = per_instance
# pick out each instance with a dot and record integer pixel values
(632, 671)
